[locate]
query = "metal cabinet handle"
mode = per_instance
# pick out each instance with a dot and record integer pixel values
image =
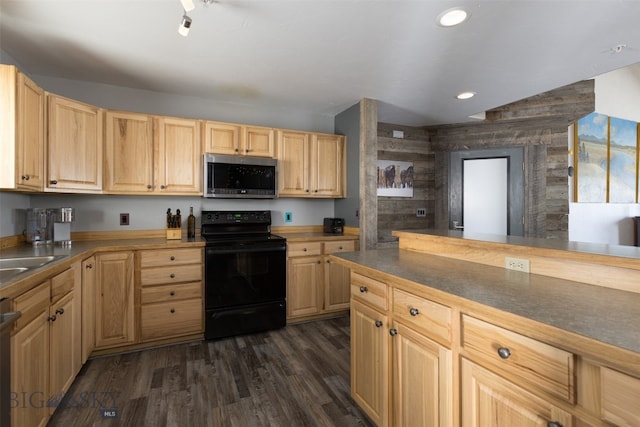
(149, 187)
(340, 248)
(173, 310)
(414, 311)
(304, 249)
(162, 187)
(393, 332)
(52, 318)
(236, 150)
(172, 293)
(53, 182)
(173, 276)
(504, 352)
(318, 262)
(363, 289)
(60, 311)
(172, 258)
(378, 323)
(554, 424)
(25, 177)
(89, 266)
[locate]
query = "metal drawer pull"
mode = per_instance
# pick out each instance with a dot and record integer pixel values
(173, 310)
(554, 424)
(172, 293)
(25, 177)
(60, 311)
(363, 289)
(172, 276)
(393, 332)
(504, 352)
(378, 323)
(414, 311)
(172, 258)
(52, 318)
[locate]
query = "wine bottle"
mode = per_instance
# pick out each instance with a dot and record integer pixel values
(191, 224)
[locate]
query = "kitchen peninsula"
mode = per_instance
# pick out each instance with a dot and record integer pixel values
(442, 325)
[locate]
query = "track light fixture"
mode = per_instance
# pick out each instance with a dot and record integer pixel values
(185, 25)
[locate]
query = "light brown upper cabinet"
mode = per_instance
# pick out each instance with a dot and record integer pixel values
(235, 139)
(179, 163)
(128, 166)
(146, 154)
(22, 131)
(311, 165)
(74, 146)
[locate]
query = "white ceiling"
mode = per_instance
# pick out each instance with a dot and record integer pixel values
(322, 56)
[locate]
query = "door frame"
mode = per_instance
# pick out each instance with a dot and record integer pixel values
(515, 184)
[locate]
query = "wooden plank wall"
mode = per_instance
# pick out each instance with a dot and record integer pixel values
(540, 125)
(400, 212)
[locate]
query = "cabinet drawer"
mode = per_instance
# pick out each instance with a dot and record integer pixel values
(165, 293)
(541, 365)
(620, 394)
(370, 290)
(32, 303)
(338, 246)
(431, 318)
(164, 257)
(171, 274)
(173, 318)
(61, 284)
(304, 249)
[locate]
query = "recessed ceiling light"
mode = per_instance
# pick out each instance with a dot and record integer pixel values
(452, 17)
(465, 95)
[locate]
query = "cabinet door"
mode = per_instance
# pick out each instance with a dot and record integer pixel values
(258, 141)
(222, 138)
(30, 133)
(422, 380)
(114, 299)
(179, 156)
(30, 372)
(128, 166)
(336, 286)
(293, 164)
(328, 165)
(64, 354)
(88, 307)
(304, 283)
(370, 362)
(489, 400)
(74, 145)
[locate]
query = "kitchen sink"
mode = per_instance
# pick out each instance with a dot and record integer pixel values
(10, 267)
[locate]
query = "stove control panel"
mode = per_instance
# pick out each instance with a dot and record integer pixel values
(236, 217)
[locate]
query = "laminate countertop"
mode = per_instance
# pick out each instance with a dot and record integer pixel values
(78, 250)
(607, 315)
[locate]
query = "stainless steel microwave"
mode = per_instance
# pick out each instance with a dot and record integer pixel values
(234, 177)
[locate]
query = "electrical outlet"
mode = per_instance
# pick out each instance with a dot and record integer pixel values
(421, 212)
(517, 264)
(124, 219)
(288, 217)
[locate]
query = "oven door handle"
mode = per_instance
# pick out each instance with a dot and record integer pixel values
(245, 249)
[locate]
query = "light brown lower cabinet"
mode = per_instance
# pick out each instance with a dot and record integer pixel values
(45, 348)
(115, 311)
(317, 286)
(420, 370)
(490, 400)
(419, 358)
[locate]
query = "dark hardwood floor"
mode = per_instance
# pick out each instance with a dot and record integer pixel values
(295, 376)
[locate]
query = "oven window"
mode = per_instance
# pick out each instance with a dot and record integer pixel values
(239, 278)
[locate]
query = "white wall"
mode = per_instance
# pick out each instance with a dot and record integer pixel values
(617, 95)
(609, 223)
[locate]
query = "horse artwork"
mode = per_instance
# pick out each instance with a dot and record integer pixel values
(395, 178)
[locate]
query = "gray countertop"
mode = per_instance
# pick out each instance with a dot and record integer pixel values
(607, 315)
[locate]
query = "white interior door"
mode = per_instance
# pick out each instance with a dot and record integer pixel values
(484, 195)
